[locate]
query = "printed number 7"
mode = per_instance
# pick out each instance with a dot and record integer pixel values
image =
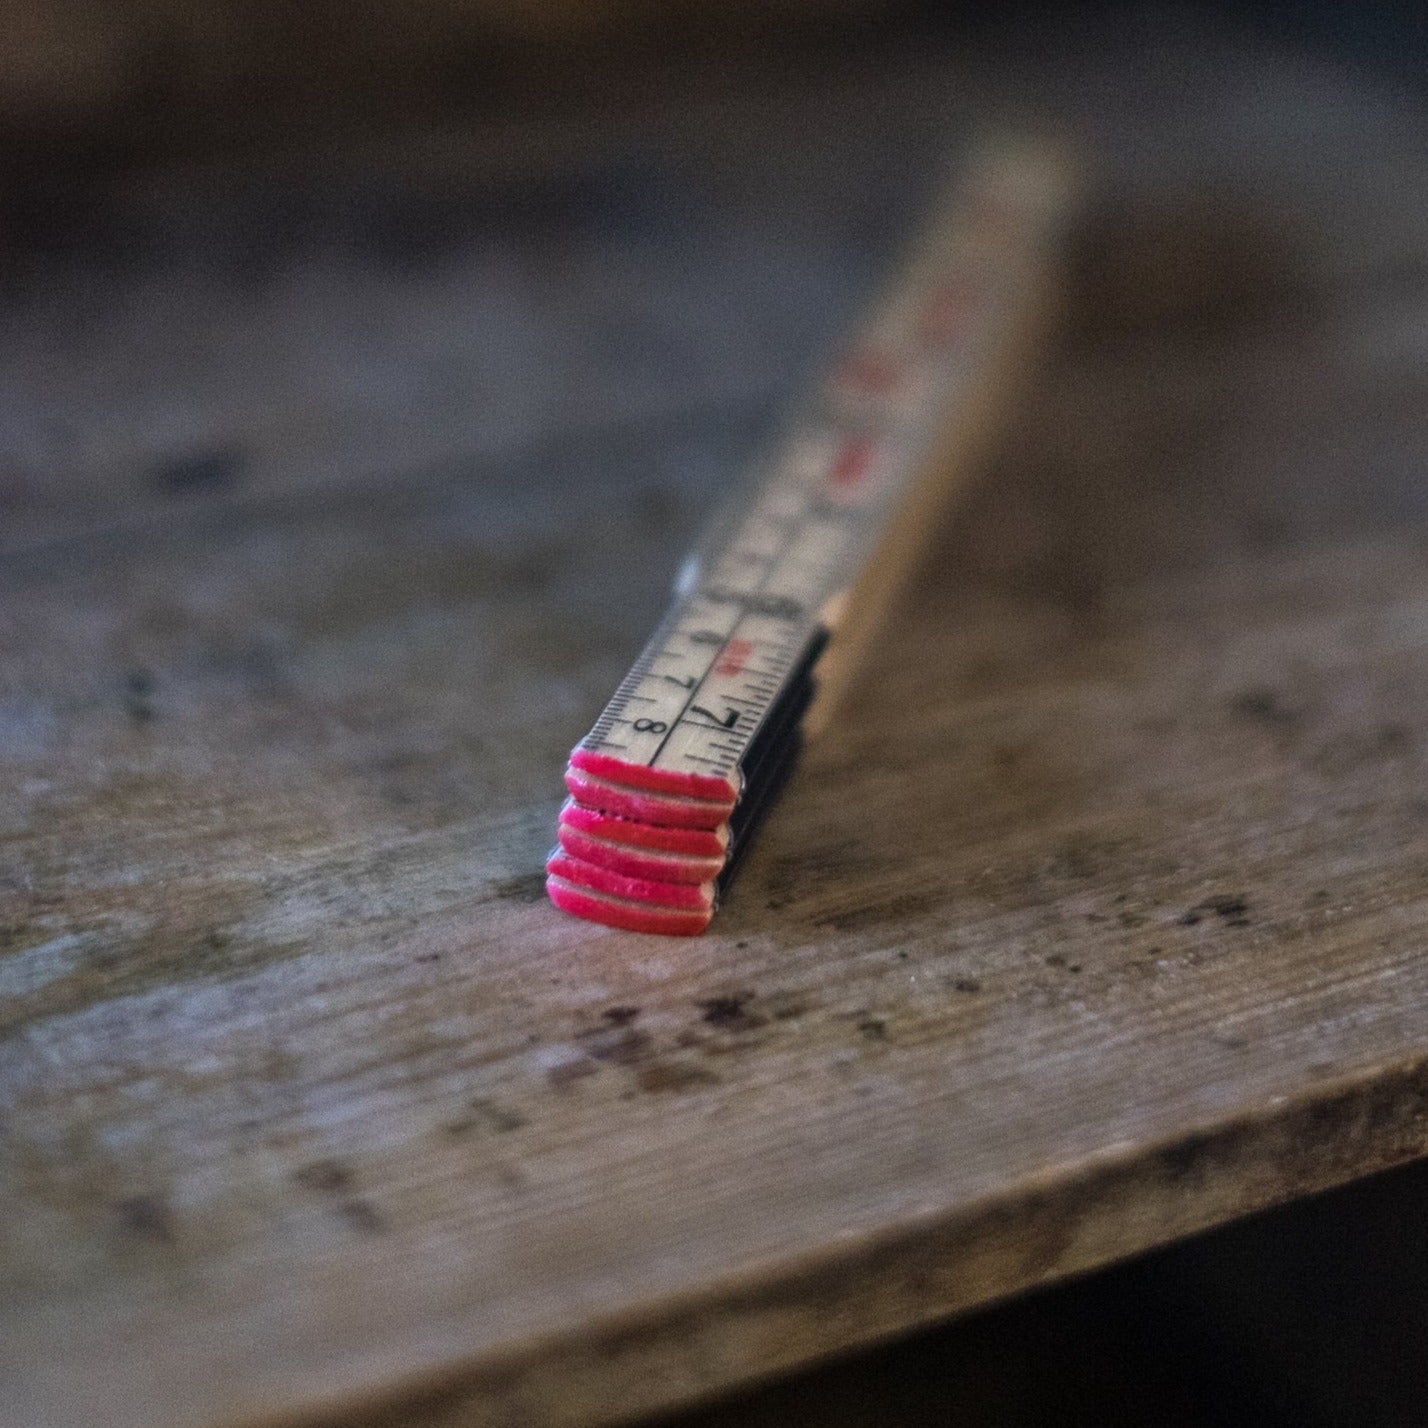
(727, 722)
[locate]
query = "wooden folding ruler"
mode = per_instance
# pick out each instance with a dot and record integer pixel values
(773, 611)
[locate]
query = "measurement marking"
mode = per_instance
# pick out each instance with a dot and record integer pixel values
(744, 615)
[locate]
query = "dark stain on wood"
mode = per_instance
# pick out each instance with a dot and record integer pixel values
(147, 1217)
(730, 1013)
(326, 1177)
(1265, 706)
(334, 1181)
(210, 469)
(364, 1217)
(616, 1045)
(674, 1077)
(1231, 908)
(139, 688)
(875, 908)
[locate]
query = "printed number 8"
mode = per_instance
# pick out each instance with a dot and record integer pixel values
(649, 726)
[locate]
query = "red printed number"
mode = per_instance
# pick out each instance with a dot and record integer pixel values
(736, 652)
(851, 464)
(947, 314)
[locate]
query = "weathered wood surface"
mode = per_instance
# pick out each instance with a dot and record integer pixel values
(314, 1108)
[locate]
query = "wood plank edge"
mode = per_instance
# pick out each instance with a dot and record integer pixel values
(771, 1319)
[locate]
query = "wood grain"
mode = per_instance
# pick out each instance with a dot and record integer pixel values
(314, 1110)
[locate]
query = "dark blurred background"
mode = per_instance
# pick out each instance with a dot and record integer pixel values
(1314, 1315)
(110, 77)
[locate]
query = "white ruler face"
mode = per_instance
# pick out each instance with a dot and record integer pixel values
(748, 609)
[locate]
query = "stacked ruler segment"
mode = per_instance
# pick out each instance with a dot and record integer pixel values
(667, 787)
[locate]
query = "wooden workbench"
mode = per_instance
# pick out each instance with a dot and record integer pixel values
(314, 1109)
